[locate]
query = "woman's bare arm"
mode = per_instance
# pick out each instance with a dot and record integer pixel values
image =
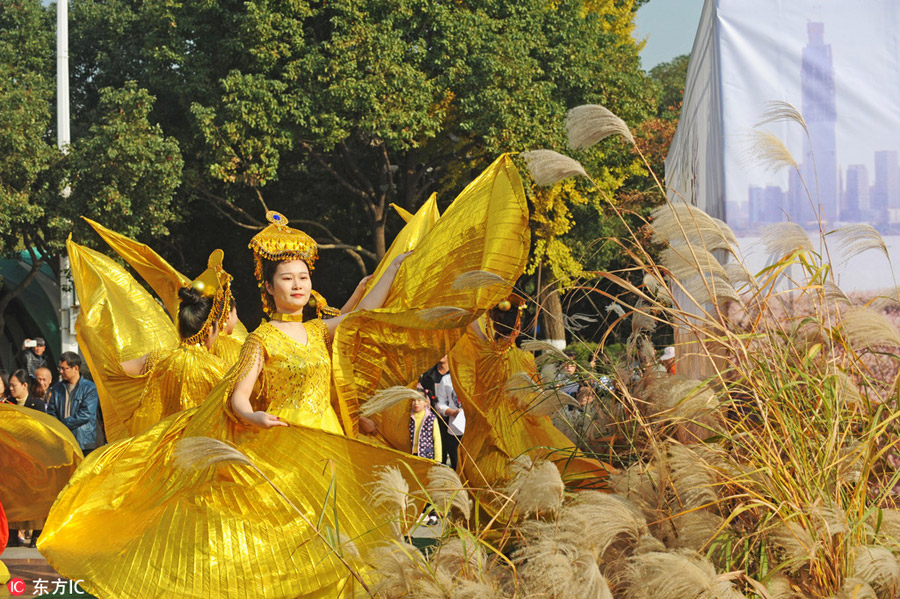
(135, 367)
(240, 401)
(375, 298)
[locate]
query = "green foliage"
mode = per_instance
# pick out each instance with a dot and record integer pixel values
(124, 172)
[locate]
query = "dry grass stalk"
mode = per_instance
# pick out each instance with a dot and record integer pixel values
(738, 275)
(548, 167)
(865, 328)
(834, 294)
(767, 150)
(549, 401)
(398, 567)
(476, 279)
(888, 533)
(681, 225)
(783, 239)
(536, 488)
(780, 587)
(672, 398)
(710, 290)
(590, 123)
(522, 387)
(691, 262)
(446, 491)
(387, 398)
(858, 238)
(536, 346)
(553, 569)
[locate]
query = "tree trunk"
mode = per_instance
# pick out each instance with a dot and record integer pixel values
(552, 322)
(378, 237)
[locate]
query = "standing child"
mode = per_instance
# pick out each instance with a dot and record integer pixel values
(425, 437)
(423, 432)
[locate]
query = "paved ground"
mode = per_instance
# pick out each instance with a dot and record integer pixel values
(33, 569)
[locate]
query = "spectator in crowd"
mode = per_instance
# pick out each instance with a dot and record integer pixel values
(667, 359)
(23, 389)
(425, 439)
(449, 407)
(44, 378)
(74, 402)
(5, 396)
(429, 382)
(566, 379)
(32, 357)
(423, 432)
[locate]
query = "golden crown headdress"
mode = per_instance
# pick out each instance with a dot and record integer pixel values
(213, 282)
(279, 242)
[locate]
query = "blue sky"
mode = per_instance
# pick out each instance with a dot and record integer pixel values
(669, 27)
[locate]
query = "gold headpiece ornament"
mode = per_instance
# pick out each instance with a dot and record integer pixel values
(213, 282)
(279, 242)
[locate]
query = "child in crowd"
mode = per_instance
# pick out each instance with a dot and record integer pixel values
(425, 437)
(423, 432)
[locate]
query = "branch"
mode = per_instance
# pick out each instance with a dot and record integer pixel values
(347, 156)
(261, 200)
(328, 168)
(349, 248)
(221, 203)
(353, 251)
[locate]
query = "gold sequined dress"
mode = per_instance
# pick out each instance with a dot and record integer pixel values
(497, 428)
(135, 523)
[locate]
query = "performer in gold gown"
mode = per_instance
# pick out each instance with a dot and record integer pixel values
(166, 281)
(498, 429)
(38, 454)
(174, 368)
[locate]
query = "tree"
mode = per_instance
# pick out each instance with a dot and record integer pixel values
(365, 102)
(27, 156)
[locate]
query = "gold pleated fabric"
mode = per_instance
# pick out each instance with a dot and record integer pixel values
(175, 380)
(38, 455)
(497, 429)
(153, 268)
(228, 347)
(133, 523)
(119, 321)
(485, 228)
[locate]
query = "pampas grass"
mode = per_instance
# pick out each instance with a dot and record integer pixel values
(878, 567)
(548, 167)
(204, 452)
(590, 123)
(769, 152)
(447, 493)
(858, 238)
(443, 314)
(782, 239)
(388, 398)
(536, 488)
(477, 279)
(390, 489)
(865, 328)
(676, 576)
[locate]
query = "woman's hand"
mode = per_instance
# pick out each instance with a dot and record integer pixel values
(395, 264)
(367, 425)
(260, 419)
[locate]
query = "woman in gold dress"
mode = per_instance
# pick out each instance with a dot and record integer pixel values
(498, 428)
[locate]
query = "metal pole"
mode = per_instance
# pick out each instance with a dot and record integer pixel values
(67, 304)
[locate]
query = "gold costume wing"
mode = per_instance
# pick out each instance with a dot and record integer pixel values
(153, 268)
(38, 454)
(119, 321)
(499, 429)
(484, 229)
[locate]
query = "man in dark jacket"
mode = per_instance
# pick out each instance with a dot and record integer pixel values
(74, 402)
